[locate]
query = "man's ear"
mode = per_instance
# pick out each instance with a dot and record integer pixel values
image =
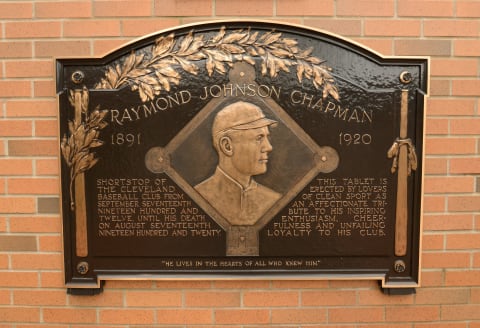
(226, 146)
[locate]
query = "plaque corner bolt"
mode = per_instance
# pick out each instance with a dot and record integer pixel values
(399, 266)
(78, 77)
(82, 268)
(406, 77)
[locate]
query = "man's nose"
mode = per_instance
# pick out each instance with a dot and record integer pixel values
(267, 146)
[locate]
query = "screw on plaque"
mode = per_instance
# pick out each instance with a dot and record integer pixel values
(406, 77)
(77, 77)
(399, 266)
(82, 267)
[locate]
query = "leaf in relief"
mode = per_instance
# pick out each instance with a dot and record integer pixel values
(219, 35)
(163, 81)
(129, 62)
(231, 48)
(187, 40)
(163, 45)
(188, 66)
(112, 76)
(233, 37)
(270, 38)
(96, 143)
(300, 70)
(210, 66)
(281, 53)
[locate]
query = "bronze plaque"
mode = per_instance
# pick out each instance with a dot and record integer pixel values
(241, 149)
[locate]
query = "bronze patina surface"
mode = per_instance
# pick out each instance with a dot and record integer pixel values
(240, 148)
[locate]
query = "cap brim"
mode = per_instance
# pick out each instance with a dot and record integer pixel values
(260, 123)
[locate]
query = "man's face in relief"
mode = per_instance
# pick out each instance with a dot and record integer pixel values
(250, 150)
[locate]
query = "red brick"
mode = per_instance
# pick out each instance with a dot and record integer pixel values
(115, 8)
(62, 315)
(372, 297)
(33, 186)
(37, 261)
(270, 299)
(439, 87)
(183, 7)
(338, 26)
(425, 8)
(450, 146)
(451, 107)
(448, 222)
(432, 242)
(39, 297)
(365, 7)
(62, 48)
(327, 297)
(50, 243)
(16, 49)
(139, 27)
(16, 10)
(300, 284)
(44, 88)
(445, 260)
(15, 128)
(31, 108)
(239, 284)
(14, 88)
(18, 279)
(46, 167)
(305, 8)
(465, 165)
(436, 165)
(363, 314)
(35, 224)
(436, 126)
(461, 312)
(432, 278)
(466, 47)
(462, 278)
(465, 126)
(417, 313)
(153, 298)
(212, 299)
(181, 284)
(102, 47)
(33, 147)
(383, 46)
(415, 47)
(63, 9)
(243, 316)
(399, 27)
(91, 28)
(463, 241)
(46, 128)
(352, 284)
(440, 325)
(127, 316)
(184, 316)
(13, 314)
(449, 184)
(297, 316)
(465, 87)
(107, 298)
(2, 148)
(33, 29)
(52, 279)
(457, 28)
(469, 8)
(22, 68)
(17, 205)
(464, 203)
(243, 8)
(130, 284)
(4, 297)
(454, 67)
(434, 204)
(10, 166)
(442, 296)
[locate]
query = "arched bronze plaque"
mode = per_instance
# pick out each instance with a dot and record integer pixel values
(235, 149)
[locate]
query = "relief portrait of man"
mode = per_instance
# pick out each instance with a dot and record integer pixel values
(240, 135)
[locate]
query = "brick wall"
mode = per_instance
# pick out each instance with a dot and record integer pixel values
(31, 261)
